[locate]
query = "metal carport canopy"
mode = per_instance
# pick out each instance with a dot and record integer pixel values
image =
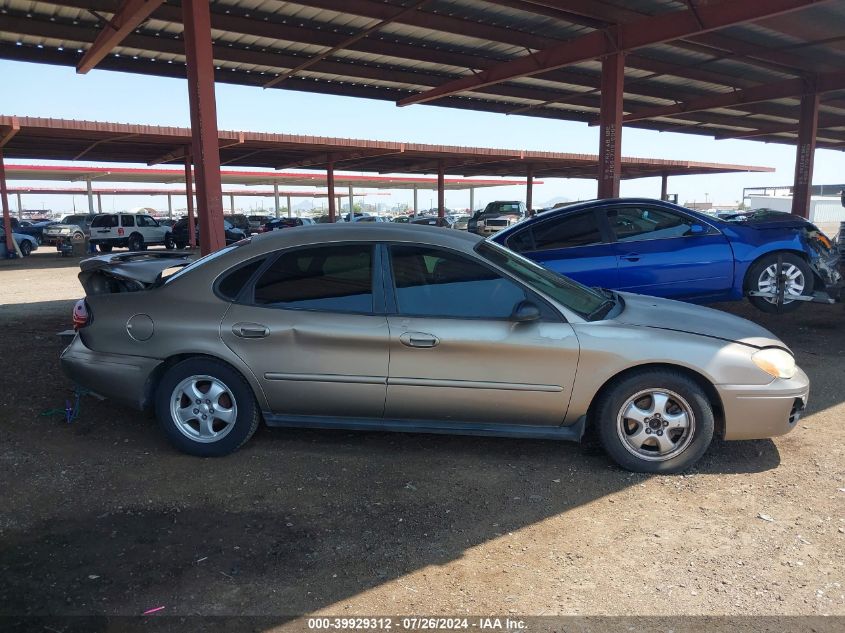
(60, 139)
(677, 52)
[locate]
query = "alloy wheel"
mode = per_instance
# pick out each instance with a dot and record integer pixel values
(203, 408)
(655, 424)
(794, 283)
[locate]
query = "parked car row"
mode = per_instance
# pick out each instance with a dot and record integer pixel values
(26, 243)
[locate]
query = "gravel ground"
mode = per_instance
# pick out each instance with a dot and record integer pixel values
(102, 517)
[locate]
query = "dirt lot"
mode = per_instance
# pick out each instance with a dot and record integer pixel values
(102, 517)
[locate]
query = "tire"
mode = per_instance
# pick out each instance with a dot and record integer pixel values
(169, 244)
(78, 236)
(636, 415)
(188, 432)
(38, 240)
(105, 248)
(26, 248)
(180, 245)
(759, 277)
(135, 242)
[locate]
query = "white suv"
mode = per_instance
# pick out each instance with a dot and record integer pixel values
(130, 230)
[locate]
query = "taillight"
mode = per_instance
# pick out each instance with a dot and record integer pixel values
(81, 315)
(120, 231)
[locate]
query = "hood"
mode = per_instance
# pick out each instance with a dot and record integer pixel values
(677, 316)
(128, 272)
(768, 219)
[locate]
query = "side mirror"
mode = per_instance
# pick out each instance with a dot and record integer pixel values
(697, 229)
(525, 311)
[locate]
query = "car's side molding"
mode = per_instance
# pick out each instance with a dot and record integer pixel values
(572, 432)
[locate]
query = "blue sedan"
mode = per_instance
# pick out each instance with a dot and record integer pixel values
(658, 248)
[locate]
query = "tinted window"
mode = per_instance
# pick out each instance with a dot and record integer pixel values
(431, 282)
(233, 282)
(145, 220)
(333, 278)
(634, 224)
(74, 219)
(127, 220)
(104, 221)
(567, 231)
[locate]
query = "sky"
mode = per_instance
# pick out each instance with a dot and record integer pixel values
(56, 91)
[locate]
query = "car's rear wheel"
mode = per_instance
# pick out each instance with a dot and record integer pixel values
(763, 277)
(135, 242)
(206, 408)
(655, 421)
(180, 245)
(168, 242)
(26, 248)
(105, 248)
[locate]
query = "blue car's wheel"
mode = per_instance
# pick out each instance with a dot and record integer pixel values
(763, 276)
(26, 248)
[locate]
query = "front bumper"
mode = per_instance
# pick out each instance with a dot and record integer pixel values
(754, 412)
(123, 378)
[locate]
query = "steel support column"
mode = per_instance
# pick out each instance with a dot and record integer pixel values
(99, 203)
(441, 190)
(189, 186)
(416, 201)
(90, 196)
(351, 202)
(290, 209)
(7, 218)
(804, 155)
(664, 186)
(276, 198)
(471, 200)
(169, 206)
(610, 134)
(330, 184)
(529, 190)
(231, 204)
(206, 145)
(20, 206)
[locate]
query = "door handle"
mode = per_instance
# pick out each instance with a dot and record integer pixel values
(631, 257)
(418, 339)
(250, 330)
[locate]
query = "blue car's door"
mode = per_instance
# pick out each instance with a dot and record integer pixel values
(576, 245)
(667, 254)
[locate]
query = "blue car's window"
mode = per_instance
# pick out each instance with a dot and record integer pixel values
(634, 224)
(329, 278)
(564, 232)
(435, 283)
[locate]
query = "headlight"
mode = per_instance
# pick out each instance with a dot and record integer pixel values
(775, 362)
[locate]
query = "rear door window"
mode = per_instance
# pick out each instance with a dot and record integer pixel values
(127, 220)
(568, 231)
(105, 221)
(337, 278)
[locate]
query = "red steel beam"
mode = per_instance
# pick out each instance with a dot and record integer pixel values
(804, 155)
(126, 19)
(330, 186)
(610, 135)
(529, 189)
(189, 192)
(4, 200)
(664, 27)
(205, 137)
(441, 190)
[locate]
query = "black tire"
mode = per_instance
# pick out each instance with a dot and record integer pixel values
(756, 270)
(690, 445)
(180, 245)
(38, 240)
(26, 248)
(135, 242)
(242, 399)
(105, 248)
(169, 244)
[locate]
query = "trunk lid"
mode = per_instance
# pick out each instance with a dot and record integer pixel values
(128, 272)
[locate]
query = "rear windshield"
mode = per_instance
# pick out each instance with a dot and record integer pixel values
(104, 221)
(502, 207)
(74, 219)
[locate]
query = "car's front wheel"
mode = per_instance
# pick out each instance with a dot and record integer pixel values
(206, 408)
(169, 243)
(655, 421)
(26, 248)
(763, 276)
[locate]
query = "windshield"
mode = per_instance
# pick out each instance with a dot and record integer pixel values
(502, 208)
(586, 302)
(73, 219)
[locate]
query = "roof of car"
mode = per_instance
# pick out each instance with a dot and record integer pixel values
(365, 231)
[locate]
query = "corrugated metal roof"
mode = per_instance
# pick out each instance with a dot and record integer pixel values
(255, 40)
